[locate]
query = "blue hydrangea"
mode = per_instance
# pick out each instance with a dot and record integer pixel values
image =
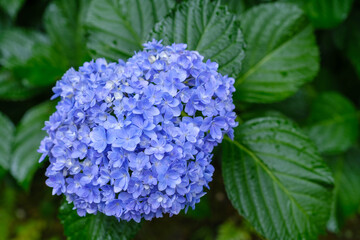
(134, 140)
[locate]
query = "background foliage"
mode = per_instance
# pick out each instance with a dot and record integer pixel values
(293, 169)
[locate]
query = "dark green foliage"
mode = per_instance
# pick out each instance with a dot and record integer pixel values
(281, 53)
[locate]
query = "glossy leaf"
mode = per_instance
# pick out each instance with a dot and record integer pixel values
(93, 227)
(208, 28)
(117, 28)
(332, 123)
(275, 178)
(25, 158)
(281, 53)
(7, 130)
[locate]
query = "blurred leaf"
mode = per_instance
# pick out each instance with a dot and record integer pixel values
(64, 22)
(28, 135)
(275, 178)
(325, 13)
(240, 6)
(30, 230)
(235, 6)
(346, 171)
(93, 227)
(11, 6)
(297, 106)
(5, 20)
(117, 28)
(262, 112)
(332, 123)
(31, 59)
(208, 28)
(16, 46)
(229, 231)
(13, 89)
(281, 53)
(7, 130)
(44, 68)
(347, 38)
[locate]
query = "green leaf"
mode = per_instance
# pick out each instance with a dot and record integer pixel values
(93, 227)
(13, 89)
(346, 169)
(12, 6)
(240, 6)
(297, 106)
(325, 13)
(7, 130)
(28, 135)
(208, 28)
(64, 22)
(117, 28)
(30, 58)
(236, 6)
(275, 178)
(332, 123)
(281, 53)
(45, 66)
(16, 46)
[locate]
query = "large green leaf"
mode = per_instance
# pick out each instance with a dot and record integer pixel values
(281, 53)
(28, 135)
(325, 13)
(7, 131)
(346, 171)
(208, 28)
(64, 22)
(275, 178)
(117, 28)
(94, 227)
(332, 123)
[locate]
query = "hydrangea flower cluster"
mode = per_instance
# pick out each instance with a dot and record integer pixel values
(134, 140)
